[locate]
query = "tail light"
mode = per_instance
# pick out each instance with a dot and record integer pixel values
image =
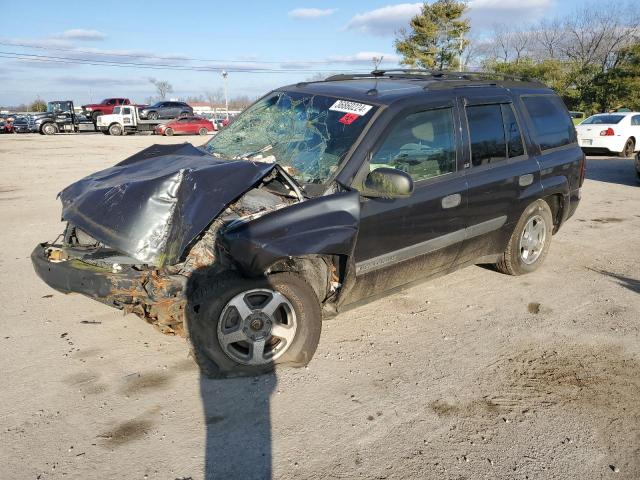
(607, 133)
(583, 169)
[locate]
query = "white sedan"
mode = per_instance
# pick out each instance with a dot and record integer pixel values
(617, 133)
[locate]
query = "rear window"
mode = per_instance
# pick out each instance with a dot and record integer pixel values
(551, 124)
(603, 119)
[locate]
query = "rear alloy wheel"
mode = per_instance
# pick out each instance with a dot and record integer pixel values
(529, 242)
(629, 147)
(169, 132)
(240, 326)
(202, 132)
(115, 129)
(49, 129)
(153, 116)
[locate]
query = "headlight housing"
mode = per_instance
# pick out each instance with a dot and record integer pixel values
(89, 109)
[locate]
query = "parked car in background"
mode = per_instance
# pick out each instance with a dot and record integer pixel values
(105, 107)
(577, 117)
(6, 126)
(320, 197)
(21, 125)
(166, 109)
(186, 126)
(615, 133)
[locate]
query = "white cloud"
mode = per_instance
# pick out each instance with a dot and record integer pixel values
(486, 13)
(82, 34)
(386, 20)
(305, 13)
(482, 13)
(364, 58)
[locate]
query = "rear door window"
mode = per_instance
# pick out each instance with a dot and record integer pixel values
(552, 126)
(486, 132)
(515, 145)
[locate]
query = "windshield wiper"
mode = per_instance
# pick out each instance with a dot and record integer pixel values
(250, 155)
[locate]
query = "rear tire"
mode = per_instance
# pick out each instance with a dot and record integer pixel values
(529, 242)
(629, 148)
(211, 319)
(183, 114)
(115, 130)
(169, 132)
(202, 132)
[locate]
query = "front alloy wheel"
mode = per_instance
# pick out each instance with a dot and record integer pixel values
(247, 326)
(257, 327)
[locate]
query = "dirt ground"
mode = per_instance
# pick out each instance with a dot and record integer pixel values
(476, 375)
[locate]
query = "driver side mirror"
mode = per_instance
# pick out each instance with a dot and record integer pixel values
(387, 182)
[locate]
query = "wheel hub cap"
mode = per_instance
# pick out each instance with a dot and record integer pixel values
(533, 239)
(257, 326)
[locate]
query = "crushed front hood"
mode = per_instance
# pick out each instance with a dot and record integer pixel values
(152, 205)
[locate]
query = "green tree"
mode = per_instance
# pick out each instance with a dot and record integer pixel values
(435, 38)
(38, 106)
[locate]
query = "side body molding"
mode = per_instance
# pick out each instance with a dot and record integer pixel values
(326, 225)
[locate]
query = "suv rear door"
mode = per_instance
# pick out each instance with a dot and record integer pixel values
(502, 176)
(403, 239)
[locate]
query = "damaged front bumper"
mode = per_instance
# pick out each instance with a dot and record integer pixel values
(151, 294)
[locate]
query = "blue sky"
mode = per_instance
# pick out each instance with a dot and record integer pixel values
(310, 36)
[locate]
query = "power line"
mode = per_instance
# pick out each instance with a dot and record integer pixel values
(160, 57)
(155, 66)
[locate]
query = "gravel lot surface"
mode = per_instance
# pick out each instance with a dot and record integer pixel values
(476, 375)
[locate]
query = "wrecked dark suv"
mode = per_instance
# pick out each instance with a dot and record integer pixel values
(319, 197)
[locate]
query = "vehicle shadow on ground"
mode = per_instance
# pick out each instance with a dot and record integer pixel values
(612, 170)
(626, 282)
(236, 409)
(238, 427)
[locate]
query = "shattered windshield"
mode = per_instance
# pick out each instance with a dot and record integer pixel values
(308, 135)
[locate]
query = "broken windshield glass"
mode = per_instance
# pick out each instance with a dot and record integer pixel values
(308, 135)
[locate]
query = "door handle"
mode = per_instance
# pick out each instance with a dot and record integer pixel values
(451, 201)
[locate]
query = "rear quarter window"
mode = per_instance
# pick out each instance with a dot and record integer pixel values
(552, 126)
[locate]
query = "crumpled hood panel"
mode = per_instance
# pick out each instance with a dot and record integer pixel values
(152, 205)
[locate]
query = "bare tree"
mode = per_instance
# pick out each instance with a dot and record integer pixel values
(548, 38)
(214, 97)
(501, 43)
(162, 87)
(594, 35)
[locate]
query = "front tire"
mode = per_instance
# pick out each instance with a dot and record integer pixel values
(95, 115)
(115, 130)
(169, 132)
(629, 148)
(243, 327)
(529, 242)
(49, 129)
(153, 116)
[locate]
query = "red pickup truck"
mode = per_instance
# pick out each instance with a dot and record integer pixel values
(105, 107)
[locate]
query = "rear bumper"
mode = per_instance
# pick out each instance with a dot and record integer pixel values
(611, 144)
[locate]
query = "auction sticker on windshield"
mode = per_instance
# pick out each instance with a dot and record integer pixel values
(350, 107)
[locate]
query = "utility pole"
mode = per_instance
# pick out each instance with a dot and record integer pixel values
(226, 92)
(377, 61)
(460, 52)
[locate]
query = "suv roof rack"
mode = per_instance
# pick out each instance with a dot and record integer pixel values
(416, 73)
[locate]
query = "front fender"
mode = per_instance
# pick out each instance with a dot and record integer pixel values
(326, 225)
